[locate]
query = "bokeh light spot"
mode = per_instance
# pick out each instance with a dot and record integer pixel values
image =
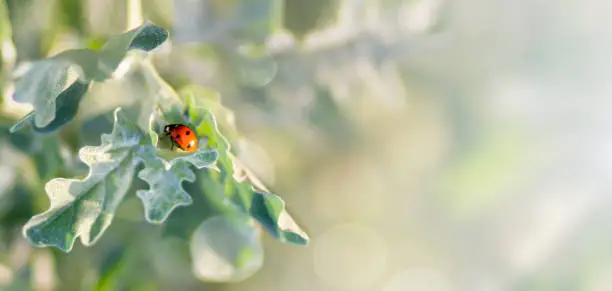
(349, 257)
(418, 279)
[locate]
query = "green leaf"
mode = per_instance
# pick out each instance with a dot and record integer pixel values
(67, 104)
(41, 86)
(27, 119)
(200, 159)
(46, 80)
(226, 248)
(147, 37)
(211, 100)
(165, 179)
(67, 107)
(267, 209)
(99, 65)
(85, 208)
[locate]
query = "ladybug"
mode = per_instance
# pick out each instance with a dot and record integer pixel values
(182, 136)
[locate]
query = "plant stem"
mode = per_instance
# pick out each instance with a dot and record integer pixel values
(134, 14)
(8, 53)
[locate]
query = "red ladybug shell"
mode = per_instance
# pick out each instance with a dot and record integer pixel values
(182, 136)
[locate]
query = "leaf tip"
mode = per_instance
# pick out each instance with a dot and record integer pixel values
(156, 214)
(296, 239)
(21, 123)
(33, 233)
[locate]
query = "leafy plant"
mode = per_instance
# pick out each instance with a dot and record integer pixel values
(56, 85)
(85, 207)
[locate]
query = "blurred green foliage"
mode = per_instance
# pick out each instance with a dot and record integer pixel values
(302, 17)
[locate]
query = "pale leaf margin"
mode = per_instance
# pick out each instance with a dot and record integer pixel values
(95, 215)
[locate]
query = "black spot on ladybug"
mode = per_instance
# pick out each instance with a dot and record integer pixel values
(189, 145)
(177, 136)
(188, 132)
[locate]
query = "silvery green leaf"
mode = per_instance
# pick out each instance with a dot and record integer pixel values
(99, 65)
(165, 179)
(85, 208)
(47, 79)
(41, 85)
(66, 107)
(267, 209)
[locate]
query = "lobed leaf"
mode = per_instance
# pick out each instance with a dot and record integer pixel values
(45, 85)
(66, 109)
(41, 86)
(267, 209)
(197, 96)
(85, 208)
(99, 65)
(165, 179)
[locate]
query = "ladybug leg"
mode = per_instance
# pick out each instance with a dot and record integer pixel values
(167, 133)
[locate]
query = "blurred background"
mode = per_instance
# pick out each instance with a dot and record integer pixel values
(423, 144)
